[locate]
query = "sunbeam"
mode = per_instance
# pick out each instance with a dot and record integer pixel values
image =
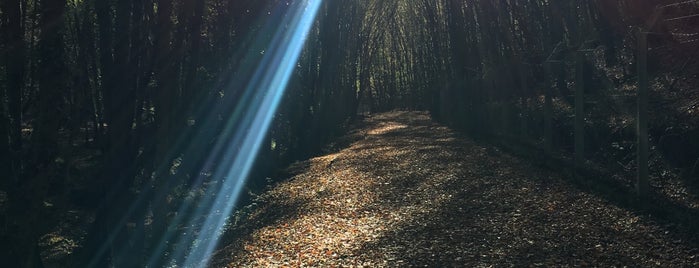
(246, 130)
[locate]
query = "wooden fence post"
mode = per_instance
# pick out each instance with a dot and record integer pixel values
(548, 109)
(642, 184)
(579, 109)
(505, 122)
(522, 115)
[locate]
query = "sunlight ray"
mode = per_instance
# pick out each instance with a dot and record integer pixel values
(247, 128)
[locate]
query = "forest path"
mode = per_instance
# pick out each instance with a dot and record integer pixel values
(410, 192)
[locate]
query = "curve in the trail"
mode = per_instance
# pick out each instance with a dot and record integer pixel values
(410, 192)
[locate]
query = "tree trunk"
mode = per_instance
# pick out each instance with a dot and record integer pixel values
(15, 58)
(119, 171)
(34, 186)
(164, 97)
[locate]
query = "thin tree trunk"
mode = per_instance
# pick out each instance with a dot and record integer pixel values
(14, 66)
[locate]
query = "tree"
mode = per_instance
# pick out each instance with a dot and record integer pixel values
(14, 67)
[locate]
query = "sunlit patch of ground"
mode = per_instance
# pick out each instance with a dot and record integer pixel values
(412, 193)
(386, 128)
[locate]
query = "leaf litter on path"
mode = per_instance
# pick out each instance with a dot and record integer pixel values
(410, 192)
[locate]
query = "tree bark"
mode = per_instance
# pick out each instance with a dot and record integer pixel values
(119, 106)
(14, 67)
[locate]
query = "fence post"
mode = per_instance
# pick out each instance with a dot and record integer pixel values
(523, 124)
(642, 184)
(548, 110)
(579, 108)
(505, 122)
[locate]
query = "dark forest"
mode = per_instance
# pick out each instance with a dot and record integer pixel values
(227, 133)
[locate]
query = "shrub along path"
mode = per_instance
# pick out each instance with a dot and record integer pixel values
(410, 192)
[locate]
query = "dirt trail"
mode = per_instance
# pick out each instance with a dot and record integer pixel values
(409, 192)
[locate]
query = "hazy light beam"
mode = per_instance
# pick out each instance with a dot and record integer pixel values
(265, 90)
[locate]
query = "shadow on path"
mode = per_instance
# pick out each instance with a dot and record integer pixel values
(410, 192)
